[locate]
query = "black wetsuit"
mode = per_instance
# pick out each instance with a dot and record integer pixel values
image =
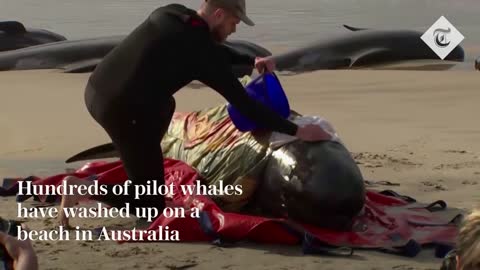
(130, 93)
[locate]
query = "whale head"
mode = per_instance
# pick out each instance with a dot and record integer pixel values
(317, 183)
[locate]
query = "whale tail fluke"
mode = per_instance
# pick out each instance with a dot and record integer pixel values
(107, 150)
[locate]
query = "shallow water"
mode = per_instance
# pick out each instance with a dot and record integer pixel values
(280, 23)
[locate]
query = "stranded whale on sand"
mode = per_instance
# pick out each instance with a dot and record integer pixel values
(359, 48)
(313, 182)
(14, 35)
(73, 56)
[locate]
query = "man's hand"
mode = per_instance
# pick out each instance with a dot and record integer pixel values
(21, 252)
(312, 133)
(264, 64)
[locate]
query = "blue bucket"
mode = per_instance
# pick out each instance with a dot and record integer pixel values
(266, 89)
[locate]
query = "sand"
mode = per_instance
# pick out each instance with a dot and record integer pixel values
(418, 129)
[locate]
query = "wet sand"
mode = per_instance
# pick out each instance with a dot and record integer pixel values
(417, 129)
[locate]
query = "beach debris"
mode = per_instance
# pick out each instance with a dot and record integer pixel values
(382, 182)
(470, 182)
(435, 186)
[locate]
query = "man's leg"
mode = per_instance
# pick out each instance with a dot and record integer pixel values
(142, 159)
(137, 137)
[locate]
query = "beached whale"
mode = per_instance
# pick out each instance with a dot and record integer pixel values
(73, 56)
(14, 35)
(313, 182)
(359, 48)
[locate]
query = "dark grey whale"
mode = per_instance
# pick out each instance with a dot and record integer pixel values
(324, 186)
(313, 182)
(360, 47)
(14, 35)
(83, 55)
(357, 48)
(69, 55)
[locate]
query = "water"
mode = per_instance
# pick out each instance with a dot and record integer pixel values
(281, 23)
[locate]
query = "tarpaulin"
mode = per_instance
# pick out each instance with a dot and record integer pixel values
(389, 221)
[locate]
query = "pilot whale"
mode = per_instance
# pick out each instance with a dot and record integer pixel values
(14, 35)
(313, 182)
(83, 55)
(358, 48)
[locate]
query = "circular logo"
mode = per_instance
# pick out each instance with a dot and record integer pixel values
(440, 35)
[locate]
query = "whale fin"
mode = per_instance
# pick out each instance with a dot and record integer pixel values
(12, 27)
(107, 150)
(373, 55)
(82, 66)
(354, 28)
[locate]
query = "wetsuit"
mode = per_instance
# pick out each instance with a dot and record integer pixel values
(130, 93)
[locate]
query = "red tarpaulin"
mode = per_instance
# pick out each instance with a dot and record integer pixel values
(389, 222)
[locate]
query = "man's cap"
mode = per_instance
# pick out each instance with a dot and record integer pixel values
(237, 7)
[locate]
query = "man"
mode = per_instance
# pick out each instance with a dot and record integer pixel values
(20, 252)
(466, 255)
(130, 93)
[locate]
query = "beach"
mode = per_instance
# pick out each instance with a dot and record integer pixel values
(414, 132)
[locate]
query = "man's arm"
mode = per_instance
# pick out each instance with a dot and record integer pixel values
(21, 252)
(236, 57)
(227, 85)
(213, 69)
